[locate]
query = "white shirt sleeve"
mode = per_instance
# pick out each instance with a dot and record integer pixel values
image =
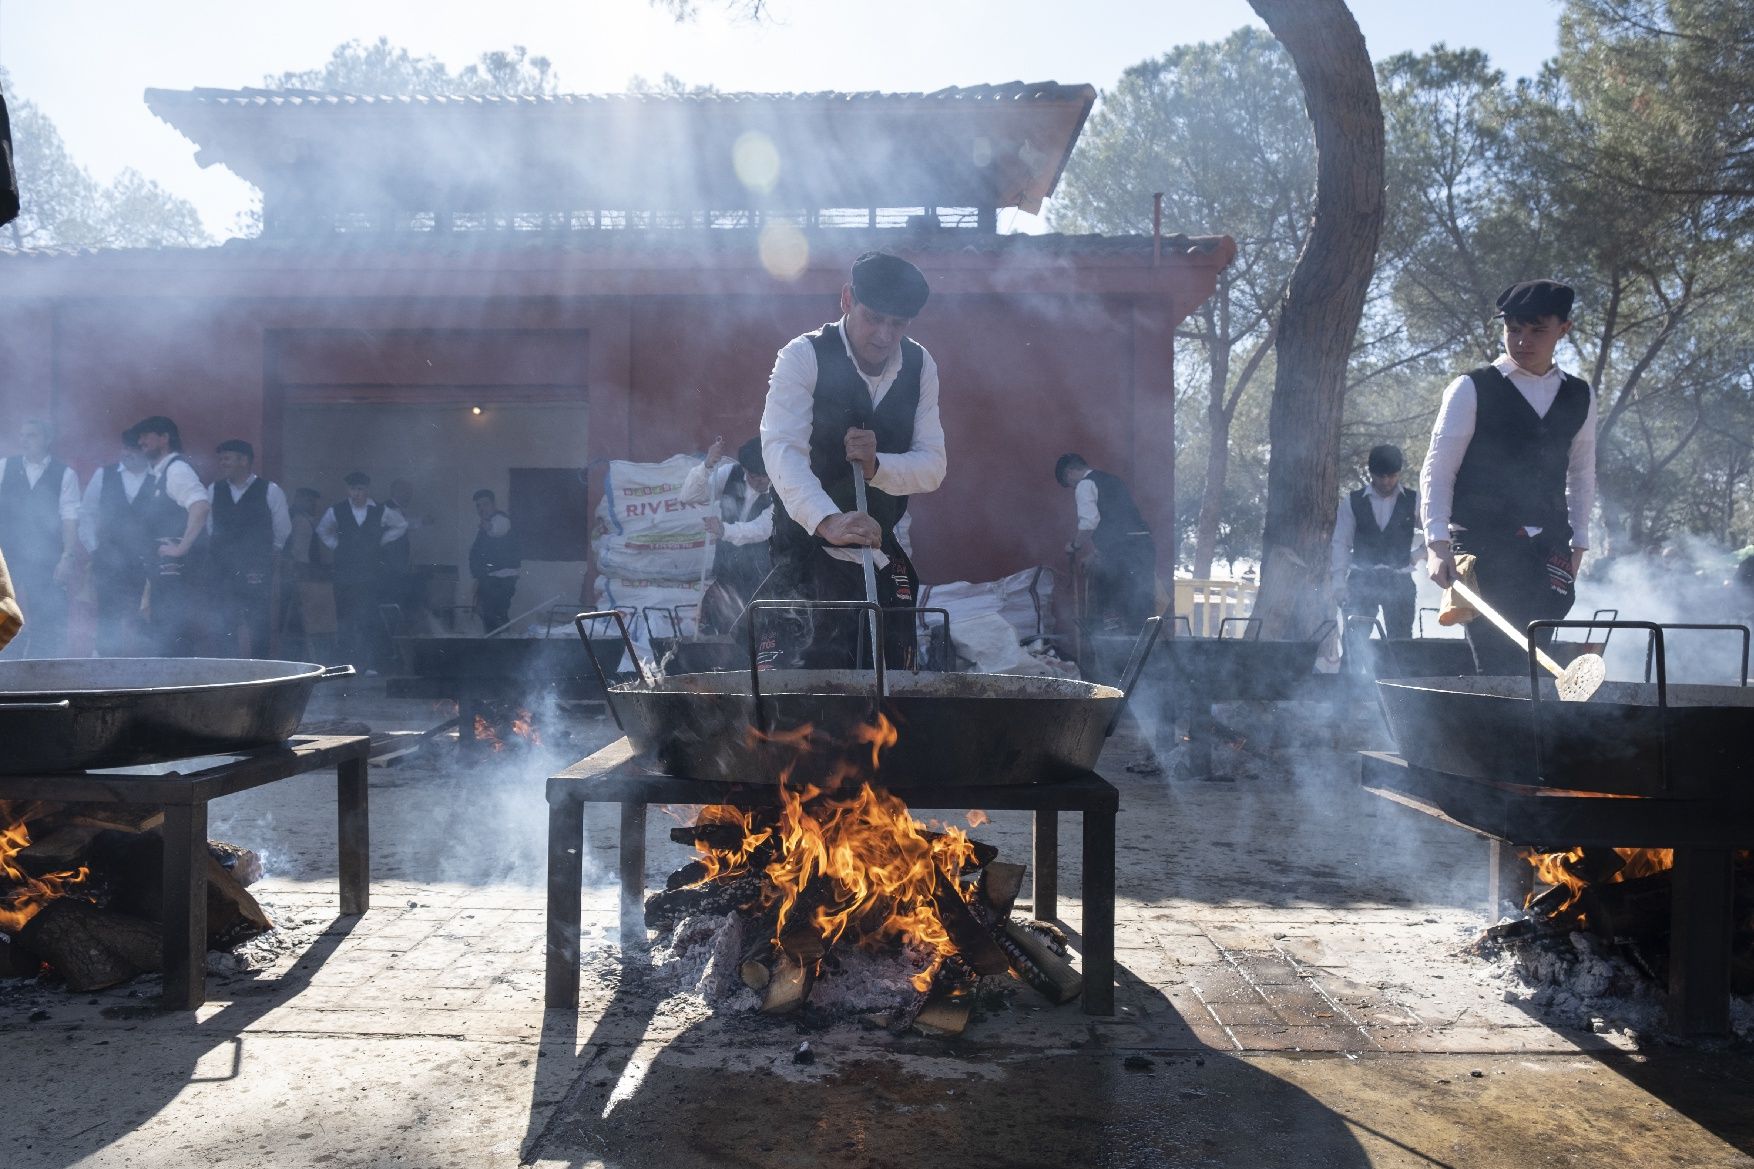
(694, 484)
(395, 526)
(88, 510)
(755, 531)
(785, 435)
(326, 530)
(1580, 478)
(1345, 531)
(1084, 495)
(69, 496)
(280, 515)
(184, 486)
(1450, 436)
(921, 467)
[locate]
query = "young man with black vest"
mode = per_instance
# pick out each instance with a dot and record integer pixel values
(1113, 543)
(39, 529)
(854, 397)
(113, 530)
(1377, 546)
(494, 562)
(175, 516)
(355, 530)
(741, 530)
(1511, 475)
(247, 528)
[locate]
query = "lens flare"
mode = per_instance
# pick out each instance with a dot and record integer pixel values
(756, 160)
(785, 253)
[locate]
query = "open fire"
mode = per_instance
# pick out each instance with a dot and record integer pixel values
(22, 894)
(841, 868)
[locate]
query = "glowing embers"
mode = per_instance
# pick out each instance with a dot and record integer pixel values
(839, 873)
(499, 733)
(22, 893)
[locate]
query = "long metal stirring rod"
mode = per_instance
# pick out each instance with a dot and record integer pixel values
(865, 559)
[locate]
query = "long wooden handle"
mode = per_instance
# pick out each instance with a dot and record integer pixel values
(1487, 611)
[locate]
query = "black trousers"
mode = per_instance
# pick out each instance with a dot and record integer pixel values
(178, 607)
(244, 604)
(1368, 590)
(493, 600)
(119, 630)
(1526, 579)
(356, 621)
(1123, 583)
(805, 640)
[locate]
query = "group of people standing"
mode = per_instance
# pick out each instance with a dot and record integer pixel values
(179, 568)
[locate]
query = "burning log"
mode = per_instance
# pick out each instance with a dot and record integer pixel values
(984, 853)
(973, 942)
(1632, 910)
(948, 1014)
(91, 948)
(1037, 963)
(999, 885)
(792, 975)
(692, 873)
(665, 909)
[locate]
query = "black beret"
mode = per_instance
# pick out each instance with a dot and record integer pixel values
(357, 479)
(749, 455)
(889, 284)
(1385, 460)
(1536, 298)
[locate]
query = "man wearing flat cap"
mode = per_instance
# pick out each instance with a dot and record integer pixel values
(1511, 475)
(854, 397)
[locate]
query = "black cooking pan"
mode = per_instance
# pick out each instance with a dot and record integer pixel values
(1646, 739)
(524, 660)
(73, 714)
(954, 730)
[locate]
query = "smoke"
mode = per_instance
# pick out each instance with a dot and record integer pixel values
(1688, 581)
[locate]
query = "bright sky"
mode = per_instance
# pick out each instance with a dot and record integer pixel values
(86, 62)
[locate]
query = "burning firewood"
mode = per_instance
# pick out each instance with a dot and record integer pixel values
(1036, 962)
(948, 1015)
(973, 943)
(1000, 883)
(665, 909)
(91, 948)
(792, 974)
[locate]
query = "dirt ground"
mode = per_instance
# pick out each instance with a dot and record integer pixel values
(1294, 989)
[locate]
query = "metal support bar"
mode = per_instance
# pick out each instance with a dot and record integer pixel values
(633, 875)
(353, 834)
(185, 905)
(1700, 932)
(1098, 921)
(1046, 863)
(566, 871)
(1509, 878)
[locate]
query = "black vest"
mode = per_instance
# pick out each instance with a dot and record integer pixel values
(841, 402)
(163, 515)
(30, 517)
(1513, 474)
(1391, 546)
(1118, 516)
(488, 553)
(123, 542)
(358, 547)
(243, 532)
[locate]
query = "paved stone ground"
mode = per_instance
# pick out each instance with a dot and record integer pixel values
(1293, 992)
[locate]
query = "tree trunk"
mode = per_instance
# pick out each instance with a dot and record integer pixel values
(1322, 307)
(1217, 450)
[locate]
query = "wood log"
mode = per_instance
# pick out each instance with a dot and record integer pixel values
(17, 960)
(1034, 961)
(788, 986)
(231, 909)
(92, 948)
(755, 968)
(242, 863)
(972, 941)
(665, 909)
(1635, 910)
(947, 1014)
(692, 873)
(57, 850)
(1596, 865)
(1000, 883)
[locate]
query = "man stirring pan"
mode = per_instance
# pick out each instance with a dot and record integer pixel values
(1511, 475)
(854, 397)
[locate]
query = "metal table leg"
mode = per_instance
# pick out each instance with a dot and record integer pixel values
(633, 876)
(1508, 877)
(1099, 912)
(566, 861)
(1699, 941)
(1047, 865)
(185, 906)
(353, 824)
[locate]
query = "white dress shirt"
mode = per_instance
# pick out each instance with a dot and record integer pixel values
(395, 526)
(1455, 429)
(786, 425)
(743, 530)
(89, 506)
(278, 513)
(1382, 508)
(1089, 515)
(180, 481)
(68, 503)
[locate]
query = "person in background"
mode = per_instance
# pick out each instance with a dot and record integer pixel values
(39, 529)
(741, 529)
(301, 565)
(493, 562)
(1112, 543)
(403, 586)
(1511, 476)
(175, 518)
(247, 527)
(356, 530)
(11, 618)
(1377, 546)
(113, 531)
(855, 397)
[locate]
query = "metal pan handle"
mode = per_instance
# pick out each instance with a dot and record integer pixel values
(1321, 631)
(756, 608)
(63, 704)
(1251, 627)
(1142, 647)
(1650, 646)
(917, 611)
(581, 622)
(336, 672)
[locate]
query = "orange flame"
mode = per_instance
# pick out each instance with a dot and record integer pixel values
(1555, 868)
(22, 896)
(523, 727)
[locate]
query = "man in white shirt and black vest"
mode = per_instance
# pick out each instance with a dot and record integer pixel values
(39, 529)
(741, 529)
(854, 397)
(1377, 546)
(247, 527)
(356, 530)
(175, 515)
(1113, 544)
(113, 531)
(1511, 475)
